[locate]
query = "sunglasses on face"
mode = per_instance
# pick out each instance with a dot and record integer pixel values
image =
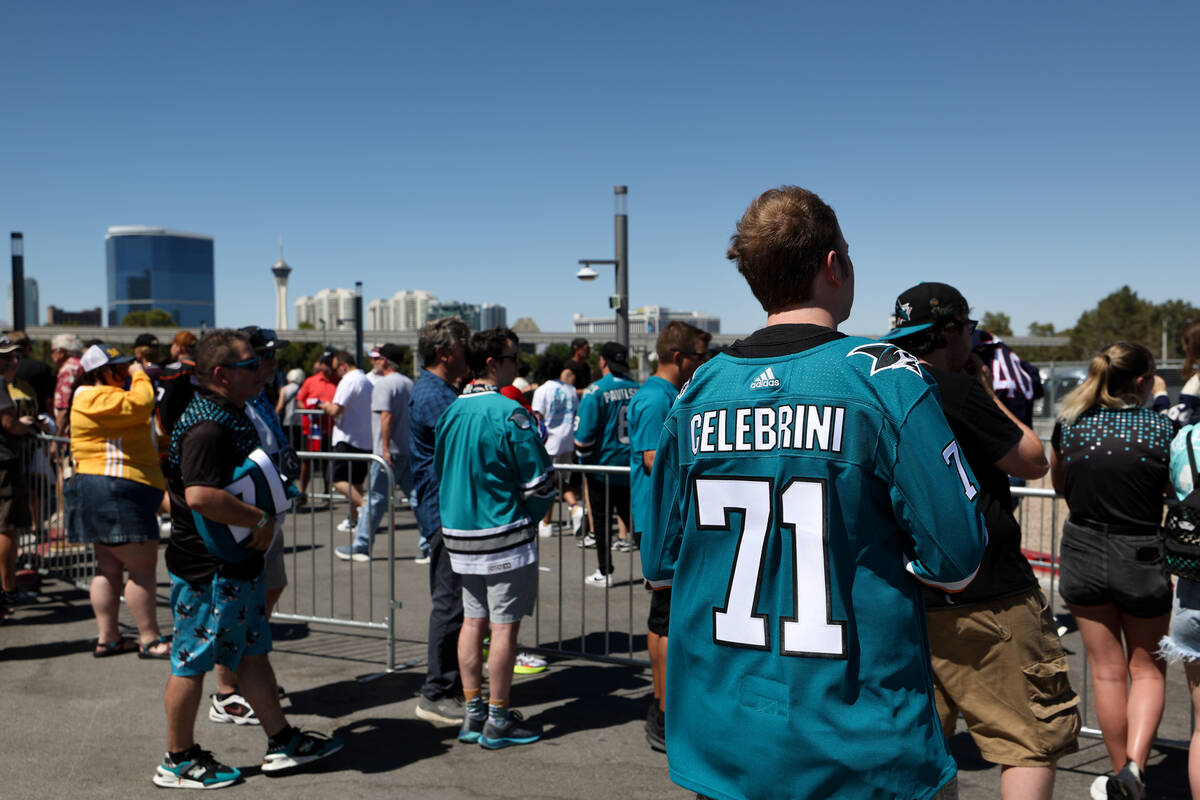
(703, 354)
(249, 363)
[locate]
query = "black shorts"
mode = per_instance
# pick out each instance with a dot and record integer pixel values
(660, 611)
(1126, 570)
(14, 498)
(356, 470)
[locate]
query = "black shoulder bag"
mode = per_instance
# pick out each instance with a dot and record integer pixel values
(1181, 529)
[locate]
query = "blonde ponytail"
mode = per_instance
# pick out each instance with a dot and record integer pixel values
(1111, 381)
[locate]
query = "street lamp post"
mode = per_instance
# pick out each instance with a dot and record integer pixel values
(619, 301)
(18, 281)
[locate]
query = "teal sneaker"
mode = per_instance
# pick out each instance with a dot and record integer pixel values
(198, 770)
(506, 727)
(474, 719)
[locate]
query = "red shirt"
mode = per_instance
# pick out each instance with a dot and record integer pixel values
(315, 390)
(67, 374)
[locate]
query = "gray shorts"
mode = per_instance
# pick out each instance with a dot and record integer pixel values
(505, 597)
(274, 575)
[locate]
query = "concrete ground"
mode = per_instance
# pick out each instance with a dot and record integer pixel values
(78, 726)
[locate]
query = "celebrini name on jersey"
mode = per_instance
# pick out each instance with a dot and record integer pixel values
(766, 428)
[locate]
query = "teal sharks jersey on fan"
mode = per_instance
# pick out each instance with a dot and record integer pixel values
(496, 481)
(602, 424)
(807, 485)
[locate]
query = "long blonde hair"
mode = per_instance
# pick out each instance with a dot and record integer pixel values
(1111, 381)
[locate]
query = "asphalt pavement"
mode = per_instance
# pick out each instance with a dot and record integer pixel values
(84, 727)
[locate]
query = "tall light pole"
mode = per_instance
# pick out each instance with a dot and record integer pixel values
(18, 281)
(619, 301)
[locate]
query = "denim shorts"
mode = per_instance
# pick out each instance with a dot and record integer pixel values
(1127, 571)
(219, 622)
(1183, 642)
(111, 511)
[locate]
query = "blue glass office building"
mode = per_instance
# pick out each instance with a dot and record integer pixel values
(156, 268)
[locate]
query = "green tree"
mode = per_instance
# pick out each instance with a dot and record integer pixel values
(154, 318)
(1041, 329)
(997, 322)
(1121, 316)
(1176, 314)
(306, 326)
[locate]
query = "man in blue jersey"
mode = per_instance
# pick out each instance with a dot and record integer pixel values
(807, 485)
(681, 349)
(996, 654)
(496, 482)
(442, 345)
(602, 438)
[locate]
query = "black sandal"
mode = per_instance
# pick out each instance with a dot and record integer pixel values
(144, 649)
(120, 646)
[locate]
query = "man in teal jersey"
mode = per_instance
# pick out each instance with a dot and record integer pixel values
(681, 349)
(602, 437)
(807, 485)
(496, 481)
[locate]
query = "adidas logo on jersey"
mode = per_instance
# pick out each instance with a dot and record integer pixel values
(765, 380)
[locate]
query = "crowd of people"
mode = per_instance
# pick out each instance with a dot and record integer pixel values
(827, 520)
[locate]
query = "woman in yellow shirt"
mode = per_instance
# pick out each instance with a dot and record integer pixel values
(113, 499)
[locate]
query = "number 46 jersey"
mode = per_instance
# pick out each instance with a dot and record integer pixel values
(808, 485)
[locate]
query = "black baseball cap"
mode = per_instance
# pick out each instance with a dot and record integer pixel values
(146, 340)
(616, 355)
(920, 307)
(392, 352)
(262, 339)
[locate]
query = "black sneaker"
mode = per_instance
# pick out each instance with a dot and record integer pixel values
(656, 728)
(303, 748)
(199, 770)
(506, 729)
(1126, 784)
(444, 711)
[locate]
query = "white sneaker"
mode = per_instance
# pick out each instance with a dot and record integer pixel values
(576, 518)
(1099, 790)
(347, 525)
(598, 578)
(545, 530)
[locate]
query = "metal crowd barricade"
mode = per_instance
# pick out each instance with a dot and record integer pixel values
(325, 589)
(607, 624)
(46, 463)
(1039, 511)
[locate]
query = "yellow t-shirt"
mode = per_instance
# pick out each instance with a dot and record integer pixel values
(111, 432)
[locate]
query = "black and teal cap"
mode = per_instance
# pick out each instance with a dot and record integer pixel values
(918, 308)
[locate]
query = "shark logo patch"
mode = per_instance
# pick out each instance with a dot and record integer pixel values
(887, 356)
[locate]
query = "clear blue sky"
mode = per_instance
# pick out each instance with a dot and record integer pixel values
(1037, 155)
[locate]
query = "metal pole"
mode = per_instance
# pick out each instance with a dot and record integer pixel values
(358, 324)
(18, 281)
(622, 257)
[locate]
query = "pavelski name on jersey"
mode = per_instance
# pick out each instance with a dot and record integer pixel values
(765, 428)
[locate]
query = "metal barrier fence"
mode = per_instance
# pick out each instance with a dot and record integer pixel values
(604, 625)
(315, 591)
(45, 548)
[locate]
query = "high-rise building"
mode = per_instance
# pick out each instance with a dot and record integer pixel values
(328, 310)
(493, 315)
(403, 311)
(31, 303)
(58, 316)
(648, 319)
(151, 268)
(469, 312)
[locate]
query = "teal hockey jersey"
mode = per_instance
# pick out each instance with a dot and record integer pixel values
(806, 482)
(602, 424)
(496, 481)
